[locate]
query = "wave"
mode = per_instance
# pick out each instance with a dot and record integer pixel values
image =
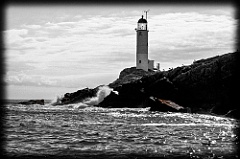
(103, 92)
(56, 100)
(190, 124)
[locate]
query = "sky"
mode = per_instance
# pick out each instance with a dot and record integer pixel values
(54, 49)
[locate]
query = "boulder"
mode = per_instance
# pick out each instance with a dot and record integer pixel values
(129, 95)
(129, 75)
(165, 105)
(78, 96)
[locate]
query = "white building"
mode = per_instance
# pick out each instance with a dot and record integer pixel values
(142, 61)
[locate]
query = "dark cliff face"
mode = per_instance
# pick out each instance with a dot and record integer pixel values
(207, 85)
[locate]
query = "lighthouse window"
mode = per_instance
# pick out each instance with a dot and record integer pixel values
(139, 61)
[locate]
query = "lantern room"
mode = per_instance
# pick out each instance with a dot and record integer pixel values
(142, 24)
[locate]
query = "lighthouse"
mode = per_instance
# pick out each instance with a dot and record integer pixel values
(142, 61)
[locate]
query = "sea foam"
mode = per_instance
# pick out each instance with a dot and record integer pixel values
(103, 92)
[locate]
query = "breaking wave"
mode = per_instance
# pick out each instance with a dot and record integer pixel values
(102, 93)
(56, 100)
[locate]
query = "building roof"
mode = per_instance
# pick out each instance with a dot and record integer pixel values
(142, 20)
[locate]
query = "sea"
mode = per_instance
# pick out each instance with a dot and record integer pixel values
(85, 131)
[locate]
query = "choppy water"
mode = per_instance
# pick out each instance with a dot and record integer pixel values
(70, 130)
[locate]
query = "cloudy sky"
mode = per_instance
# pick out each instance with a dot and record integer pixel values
(52, 50)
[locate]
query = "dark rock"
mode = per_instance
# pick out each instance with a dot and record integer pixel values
(210, 84)
(162, 88)
(129, 95)
(165, 105)
(129, 75)
(78, 96)
(207, 85)
(233, 113)
(22, 124)
(41, 102)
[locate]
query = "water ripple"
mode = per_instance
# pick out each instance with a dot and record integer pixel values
(65, 130)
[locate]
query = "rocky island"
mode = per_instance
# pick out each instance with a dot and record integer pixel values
(30, 102)
(206, 86)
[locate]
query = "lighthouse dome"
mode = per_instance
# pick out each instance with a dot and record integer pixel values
(142, 20)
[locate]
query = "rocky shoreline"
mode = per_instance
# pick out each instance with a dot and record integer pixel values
(206, 86)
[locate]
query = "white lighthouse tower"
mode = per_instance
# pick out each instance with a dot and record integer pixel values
(142, 61)
(142, 45)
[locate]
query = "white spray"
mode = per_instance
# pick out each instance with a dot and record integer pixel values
(57, 100)
(102, 93)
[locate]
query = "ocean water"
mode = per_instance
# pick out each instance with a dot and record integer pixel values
(77, 130)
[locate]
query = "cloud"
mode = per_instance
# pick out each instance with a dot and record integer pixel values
(68, 81)
(73, 51)
(30, 80)
(187, 36)
(34, 26)
(14, 35)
